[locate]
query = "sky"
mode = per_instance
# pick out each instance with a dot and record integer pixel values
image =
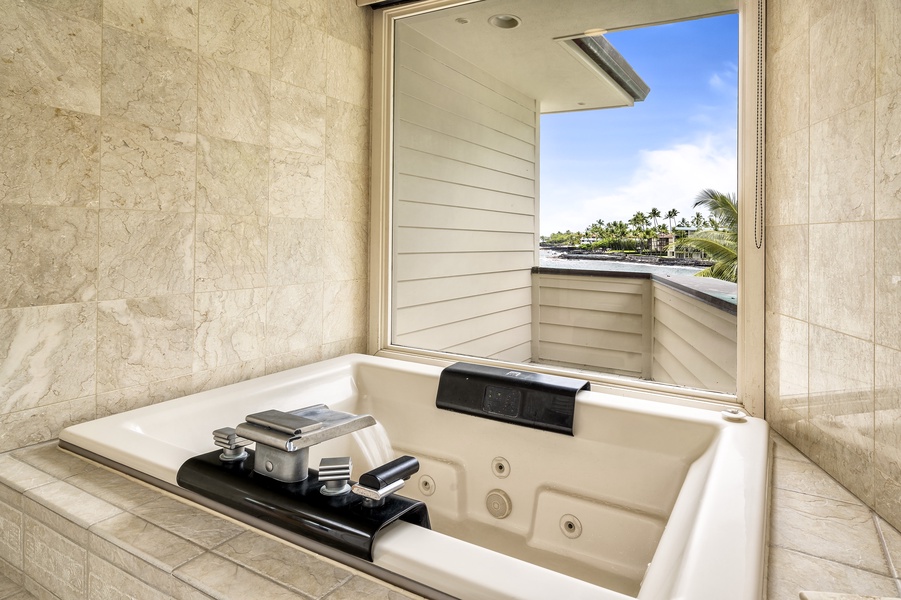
(608, 164)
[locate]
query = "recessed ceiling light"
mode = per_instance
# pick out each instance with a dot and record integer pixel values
(505, 21)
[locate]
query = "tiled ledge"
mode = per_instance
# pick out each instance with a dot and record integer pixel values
(71, 530)
(825, 542)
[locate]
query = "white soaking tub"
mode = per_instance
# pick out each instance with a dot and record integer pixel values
(646, 500)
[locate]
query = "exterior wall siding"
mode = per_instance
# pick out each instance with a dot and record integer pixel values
(465, 188)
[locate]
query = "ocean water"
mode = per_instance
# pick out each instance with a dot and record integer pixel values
(551, 258)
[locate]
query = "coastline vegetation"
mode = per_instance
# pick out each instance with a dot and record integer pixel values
(713, 237)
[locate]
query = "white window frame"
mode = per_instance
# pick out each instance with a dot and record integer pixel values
(751, 306)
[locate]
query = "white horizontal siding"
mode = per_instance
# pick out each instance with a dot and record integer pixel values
(464, 205)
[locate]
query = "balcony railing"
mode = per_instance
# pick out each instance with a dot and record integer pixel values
(679, 330)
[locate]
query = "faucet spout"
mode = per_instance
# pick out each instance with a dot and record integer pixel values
(284, 438)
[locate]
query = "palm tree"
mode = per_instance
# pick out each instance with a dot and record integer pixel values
(698, 221)
(638, 221)
(720, 244)
(671, 215)
(654, 215)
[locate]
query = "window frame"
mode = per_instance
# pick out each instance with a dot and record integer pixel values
(751, 178)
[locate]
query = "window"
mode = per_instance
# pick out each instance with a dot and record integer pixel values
(455, 190)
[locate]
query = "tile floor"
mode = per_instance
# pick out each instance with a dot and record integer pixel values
(824, 543)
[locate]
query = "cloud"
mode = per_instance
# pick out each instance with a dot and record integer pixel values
(664, 178)
(725, 81)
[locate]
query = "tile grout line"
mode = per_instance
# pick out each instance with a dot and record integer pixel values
(888, 557)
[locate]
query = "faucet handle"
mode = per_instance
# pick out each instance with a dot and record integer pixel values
(381, 482)
(335, 472)
(231, 443)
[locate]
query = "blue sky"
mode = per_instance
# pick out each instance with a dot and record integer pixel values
(608, 164)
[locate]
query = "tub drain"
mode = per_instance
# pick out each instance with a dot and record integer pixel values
(426, 485)
(498, 503)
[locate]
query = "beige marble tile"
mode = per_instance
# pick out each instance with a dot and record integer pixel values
(841, 409)
(18, 429)
(350, 23)
(298, 119)
(786, 20)
(53, 461)
(787, 179)
(843, 74)
(144, 253)
(888, 283)
(188, 522)
(347, 132)
(346, 191)
(298, 53)
(222, 376)
(355, 345)
(147, 81)
(218, 577)
(76, 505)
(283, 563)
(236, 32)
(87, 9)
(831, 596)
(348, 252)
(787, 89)
(58, 563)
(113, 488)
(128, 537)
(147, 168)
(807, 478)
(842, 167)
(233, 103)
(32, 509)
(348, 72)
(888, 434)
(20, 476)
(888, 156)
(11, 534)
(50, 255)
(232, 178)
(345, 310)
(295, 251)
(49, 57)
(791, 572)
(230, 253)
(289, 360)
(229, 327)
(144, 340)
(36, 590)
(297, 189)
(291, 328)
(50, 156)
(311, 13)
(888, 46)
(8, 587)
(171, 21)
(106, 582)
(841, 292)
(359, 587)
(784, 449)
(787, 270)
(826, 528)
(46, 355)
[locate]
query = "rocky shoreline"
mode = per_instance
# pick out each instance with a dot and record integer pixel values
(579, 254)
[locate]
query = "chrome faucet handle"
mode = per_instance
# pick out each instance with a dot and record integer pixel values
(231, 443)
(335, 472)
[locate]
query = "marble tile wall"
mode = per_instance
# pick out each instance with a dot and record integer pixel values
(834, 239)
(183, 199)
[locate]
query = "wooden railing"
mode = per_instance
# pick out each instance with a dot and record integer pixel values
(634, 324)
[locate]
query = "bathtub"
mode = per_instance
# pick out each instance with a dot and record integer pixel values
(646, 500)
